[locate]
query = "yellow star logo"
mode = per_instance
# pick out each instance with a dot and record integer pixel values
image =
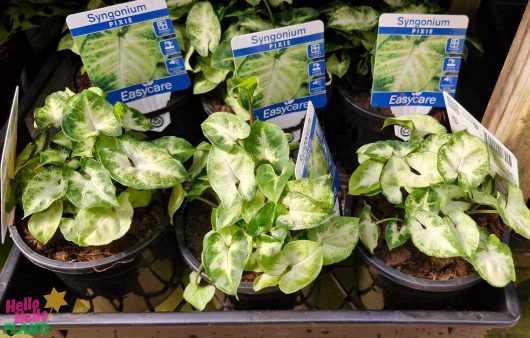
(55, 300)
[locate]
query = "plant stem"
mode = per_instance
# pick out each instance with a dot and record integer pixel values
(492, 211)
(270, 13)
(250, 109)
(389, 219)
(204, 200)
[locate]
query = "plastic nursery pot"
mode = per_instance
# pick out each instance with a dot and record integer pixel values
(398, 290)
(267, 299)
(405, 292)
(135, 280)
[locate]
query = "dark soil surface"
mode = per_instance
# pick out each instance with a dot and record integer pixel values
(214, 103)
(82, 81)
(408, 259)
(145, 220)
(197, 225)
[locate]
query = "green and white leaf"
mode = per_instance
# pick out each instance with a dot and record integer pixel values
(51, 113)
(394, 236)
(224, 256)
(265, 281)
(270, 184)
(347, 18)
(250, 208)
(433, 142)
(142, 165)
(303, 212)
(493, 261)
(433, 236)
(319, 190)
(175, 200)
(99, 226)
(366, 177)
(514, 211)
(422, 199)
(53, 156)
(267, 143)
(203, 28)
(465, 159)
(262, 221)
(61, 139)
(131, 118)
(88, 114)
(452, 198)
(338, 67)
(299, 263)
(419, 125)
(196, 295)
(467, 231)
(338, 237)
(43, 189)
(177, 147)
(425, 163)
(231, 175)
(95, 189)
(225, 216)
(43, 225)
(200, 158)
(368, 231)
(395, 168)
(223, 130)
(140, 198)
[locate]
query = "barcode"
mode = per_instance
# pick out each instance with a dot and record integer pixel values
(493, 144)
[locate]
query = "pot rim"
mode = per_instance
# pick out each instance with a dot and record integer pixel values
(243, 288)
(348, 98)
(416, 283)
(100, 265)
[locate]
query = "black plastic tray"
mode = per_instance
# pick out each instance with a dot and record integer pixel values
(337, 310)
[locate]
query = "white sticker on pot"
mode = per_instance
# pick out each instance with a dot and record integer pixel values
(290, 65)
(504, 161)
(314, 157)
(7, 165)
(417, 58)
(130, 51)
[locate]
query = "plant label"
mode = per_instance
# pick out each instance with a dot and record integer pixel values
(314, 157)
(130, 51)
(7, 165)
(417, 58)
(502, 161)
(290, 65)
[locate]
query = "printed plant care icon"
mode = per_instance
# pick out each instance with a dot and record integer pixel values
(448, 82)
(163, 27)
(452, 64)
(317, 85)
(315, 50)
(28, 316)
(455, 46)
(169, 46)
(175, 65)
(317, 68)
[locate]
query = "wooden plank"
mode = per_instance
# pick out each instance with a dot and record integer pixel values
(508, 112)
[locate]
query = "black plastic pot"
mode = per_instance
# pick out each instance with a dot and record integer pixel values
(149, 270)
(267, 299)
(402, 291)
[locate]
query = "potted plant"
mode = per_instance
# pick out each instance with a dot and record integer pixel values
(255, 230)
(351, 34)
(91, 189)
(209, 29)
(429, 212)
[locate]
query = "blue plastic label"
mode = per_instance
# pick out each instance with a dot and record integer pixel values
(418, 56)
(143, 32)
(290, 65)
